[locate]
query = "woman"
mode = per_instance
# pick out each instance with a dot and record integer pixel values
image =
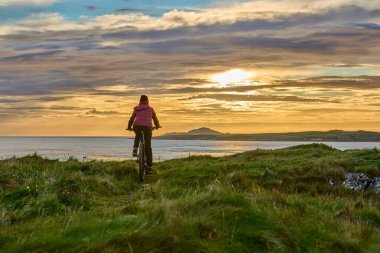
(141, 120)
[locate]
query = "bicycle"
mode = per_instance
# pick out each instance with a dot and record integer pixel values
(141, 155)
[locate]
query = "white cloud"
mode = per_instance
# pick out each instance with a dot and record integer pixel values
(42, 20)
(247, 11)
(110, 43)
(300, 5)
(26, 2)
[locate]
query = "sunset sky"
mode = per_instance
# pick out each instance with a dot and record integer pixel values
(70, 67)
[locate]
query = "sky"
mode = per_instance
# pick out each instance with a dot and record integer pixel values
(77, 68)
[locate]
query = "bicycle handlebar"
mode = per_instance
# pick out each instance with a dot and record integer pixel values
(153, 128)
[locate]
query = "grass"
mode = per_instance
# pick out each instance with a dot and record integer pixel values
(257, 201)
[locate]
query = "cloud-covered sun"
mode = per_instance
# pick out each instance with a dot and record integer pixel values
(232, 76)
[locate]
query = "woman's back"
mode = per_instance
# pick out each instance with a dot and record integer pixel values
(144, 115)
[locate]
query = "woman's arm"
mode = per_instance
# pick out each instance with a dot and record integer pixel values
(155, 120)
(131, 120)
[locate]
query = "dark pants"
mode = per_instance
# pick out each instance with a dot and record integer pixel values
(148, 142)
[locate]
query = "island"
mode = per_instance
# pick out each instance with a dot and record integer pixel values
(205, 133)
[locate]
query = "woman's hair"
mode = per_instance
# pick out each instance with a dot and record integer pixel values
(144, 98)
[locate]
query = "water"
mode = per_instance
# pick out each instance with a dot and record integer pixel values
(119, 148)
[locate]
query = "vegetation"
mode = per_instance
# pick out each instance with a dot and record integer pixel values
(257, 201)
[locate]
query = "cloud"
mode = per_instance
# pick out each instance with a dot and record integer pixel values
(8, 100)
(39, 20)
(129, 10)
(234, 17)
(349, 82)
(94, 111)
(52, 99)
(39, 83)
(338, 110)
(32, 56)
(306, 55)
(27, 2)
(91, 7)
(371, 26)
(64, 108)
(260, 98)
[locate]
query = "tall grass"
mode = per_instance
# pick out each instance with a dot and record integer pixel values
(257, 201)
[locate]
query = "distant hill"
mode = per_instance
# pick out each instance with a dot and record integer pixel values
(204, 131)
(333, 135)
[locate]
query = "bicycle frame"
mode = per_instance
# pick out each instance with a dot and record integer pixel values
(142, 157)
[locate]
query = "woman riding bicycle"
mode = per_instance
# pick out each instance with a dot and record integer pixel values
(141, 120)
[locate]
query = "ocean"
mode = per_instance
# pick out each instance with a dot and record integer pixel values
(120, 148)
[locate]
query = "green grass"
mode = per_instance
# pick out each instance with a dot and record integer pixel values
(257, 201)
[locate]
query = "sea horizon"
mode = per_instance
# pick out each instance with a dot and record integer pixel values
(120, 148)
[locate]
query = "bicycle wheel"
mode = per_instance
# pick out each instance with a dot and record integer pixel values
(142, 161)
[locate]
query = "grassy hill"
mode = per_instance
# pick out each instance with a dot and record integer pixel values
(258, 201)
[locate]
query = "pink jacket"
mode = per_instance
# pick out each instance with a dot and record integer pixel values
(142, 116)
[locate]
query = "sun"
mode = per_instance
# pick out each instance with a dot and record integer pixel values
(232, 76)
